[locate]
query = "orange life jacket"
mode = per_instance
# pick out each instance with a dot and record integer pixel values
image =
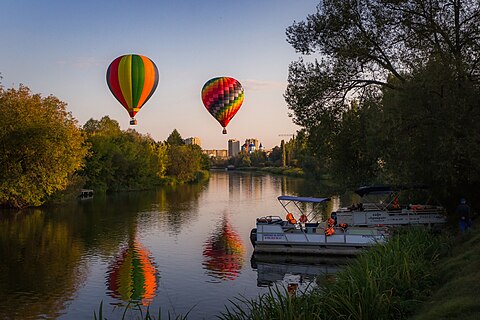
(291, 219)
(343, 225)
(329, 231)
(330, 222)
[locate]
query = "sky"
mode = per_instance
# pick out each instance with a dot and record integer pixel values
(63, 48)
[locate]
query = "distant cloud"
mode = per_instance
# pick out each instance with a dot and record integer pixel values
(257, 85)
(82, 62)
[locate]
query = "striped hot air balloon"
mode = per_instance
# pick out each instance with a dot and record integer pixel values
(222, 97)
(132, 79)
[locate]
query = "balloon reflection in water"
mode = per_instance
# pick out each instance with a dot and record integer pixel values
(224, 253)
(133, 276)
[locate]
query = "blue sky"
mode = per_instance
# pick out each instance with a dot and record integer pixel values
(63, 48)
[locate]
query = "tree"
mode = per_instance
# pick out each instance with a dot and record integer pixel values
(175, 139)
(185, 161)
(258, 158)
(413, 68)
(276, 156)
(122, 160)
(41, 147)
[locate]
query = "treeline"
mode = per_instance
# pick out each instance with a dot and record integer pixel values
(393, 96)
(288, 154)
(45, 156)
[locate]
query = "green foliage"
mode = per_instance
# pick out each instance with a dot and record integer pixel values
(135, 311)
(122, 160)
(459, 285)
(41, 147)
(387, 282)
(175, 139)
(185, 161)
(276, 304)
(258, 158)
(394, 96)
(242, 160)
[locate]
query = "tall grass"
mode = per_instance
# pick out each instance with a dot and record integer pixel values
(387, 282)
(276, 304)
(458, 294)
(135, 311)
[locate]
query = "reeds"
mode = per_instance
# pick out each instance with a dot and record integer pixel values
(387, 282)
(135, 311)
(276, 304)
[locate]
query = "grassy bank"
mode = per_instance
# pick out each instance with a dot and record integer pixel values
(387, 282)
(457, 294)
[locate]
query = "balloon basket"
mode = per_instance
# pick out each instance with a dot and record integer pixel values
(133, 122)
(224, 131)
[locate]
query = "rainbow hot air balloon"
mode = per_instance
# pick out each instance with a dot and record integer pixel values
(222, 97)
(132, 79)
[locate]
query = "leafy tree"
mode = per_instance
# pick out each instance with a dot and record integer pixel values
(184, 161)
(175, 139)
(41, 147)
(413, 69)
(276, 156)
(122, 160)
(104, 126)
(258, 158)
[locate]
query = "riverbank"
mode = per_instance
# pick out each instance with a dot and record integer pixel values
(456, 292)
(417, 275)
(287, 171)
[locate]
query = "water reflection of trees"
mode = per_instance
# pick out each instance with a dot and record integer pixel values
(40, 265)
(177, 205)
(223, 252)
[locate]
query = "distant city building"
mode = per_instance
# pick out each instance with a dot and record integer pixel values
(251, 145)
(193, 140)
(233, 147)
(219, 154)
(261, 148)
(251, 148)
(248, 142)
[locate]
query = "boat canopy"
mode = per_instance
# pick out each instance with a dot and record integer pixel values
(303, 199)
(386, 189)
(363, 191)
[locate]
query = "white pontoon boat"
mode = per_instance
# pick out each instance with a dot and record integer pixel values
(380, 206)
(305, 236)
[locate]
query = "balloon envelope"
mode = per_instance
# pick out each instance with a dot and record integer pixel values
(132, 79)
(222, 97)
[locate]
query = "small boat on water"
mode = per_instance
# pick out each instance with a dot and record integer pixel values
(86, 194)
(381, 205)
(304, 236)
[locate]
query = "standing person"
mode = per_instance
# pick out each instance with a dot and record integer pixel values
(463, 211)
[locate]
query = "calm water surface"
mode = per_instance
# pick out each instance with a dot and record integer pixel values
(182, 249)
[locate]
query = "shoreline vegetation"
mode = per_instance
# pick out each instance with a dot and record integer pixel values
(418, 274)
(286, 171)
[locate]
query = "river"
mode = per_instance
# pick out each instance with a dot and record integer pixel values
(183, 249)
